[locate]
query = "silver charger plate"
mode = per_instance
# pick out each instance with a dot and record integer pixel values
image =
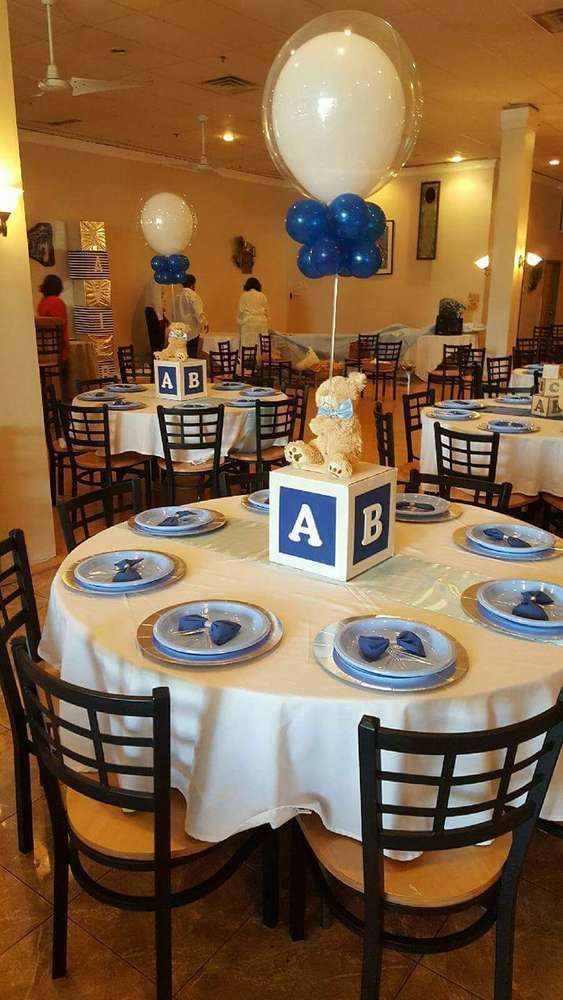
(463, 542)
(252, 509)
(69, 580)
(322, 651)
(219, 521)
(471, 607)
(145, 641)
(530, 429)
(455, 511)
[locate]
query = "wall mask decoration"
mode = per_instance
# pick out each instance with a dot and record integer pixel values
(428, 220)
(386, 245)
(40, 244)
(244, 254)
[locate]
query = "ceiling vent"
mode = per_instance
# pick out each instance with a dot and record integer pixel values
(65, 121)
(550, 20)
(229, 82)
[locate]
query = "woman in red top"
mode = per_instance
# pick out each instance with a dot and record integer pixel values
(52, 305)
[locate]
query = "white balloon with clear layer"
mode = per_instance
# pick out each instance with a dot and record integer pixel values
(342, 105)
(167, 222)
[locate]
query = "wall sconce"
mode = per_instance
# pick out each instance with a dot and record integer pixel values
(483, 263)
(532, 259)
(9, 197)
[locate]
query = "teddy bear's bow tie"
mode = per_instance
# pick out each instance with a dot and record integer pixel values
(344, 410)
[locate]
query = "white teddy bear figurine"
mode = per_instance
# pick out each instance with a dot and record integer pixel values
(176, 348)
(337, 445)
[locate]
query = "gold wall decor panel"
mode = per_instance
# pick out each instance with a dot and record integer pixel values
(97, 294)
(93, 236)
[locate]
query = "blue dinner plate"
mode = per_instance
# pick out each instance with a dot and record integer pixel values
(440, 651)
(196, 404)
(242, 404)
(516, 397)
(509, 426)
(456, 404)
(255, 629)
(97, 395)
(500, 596)
(538, 539)
(126, 404)
(97, 572)
(449, 413)
(126, 387)
(517, 626)
(439, 506)
(260, 499)
(229, 386)
(393, 682)
(258, 390)
(149, 520)
(534, 368)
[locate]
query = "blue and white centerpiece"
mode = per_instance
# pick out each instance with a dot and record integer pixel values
(176, 376)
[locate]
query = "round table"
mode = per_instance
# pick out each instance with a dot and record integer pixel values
(429, 350)
(138, 430)
(261, 741)
(531, 462)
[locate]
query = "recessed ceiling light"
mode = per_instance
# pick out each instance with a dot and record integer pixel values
(456, 158)
(228, 136)
(554, 163)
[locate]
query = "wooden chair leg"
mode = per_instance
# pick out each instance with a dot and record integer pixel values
(270, 879)
(24, 810)
(60, 909)
(297, 884)
(163, 948)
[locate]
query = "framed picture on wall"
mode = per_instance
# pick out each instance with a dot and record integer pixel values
(386, 244)
(428, 220)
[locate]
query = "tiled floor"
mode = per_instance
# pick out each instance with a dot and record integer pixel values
(220, 947)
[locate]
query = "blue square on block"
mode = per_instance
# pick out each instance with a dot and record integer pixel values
(193, 380)
(371, 522)
(307, 525)
(167, 382)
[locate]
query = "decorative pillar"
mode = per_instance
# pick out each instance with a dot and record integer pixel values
(510, 230)
(25, 500)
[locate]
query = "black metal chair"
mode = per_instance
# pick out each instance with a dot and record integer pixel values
(18, 610)
(223, 364)
(248, 361)
(471, 373)
(443, 794)
(385, 441)
(57, 451)
(499, 371)
(413, 405)
(385, 366)
(273, 370)
(88, 439)
(100, 812)
(274, 420)
(184, 430)
(107, 505)
(49, 340)
(245, 482)
(525, 352)
(130, 368)
(463, 489)
(89, 384)
(448, 375)
(299, 391)
(366, 347)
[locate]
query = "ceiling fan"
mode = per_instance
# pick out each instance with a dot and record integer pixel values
(77, 85)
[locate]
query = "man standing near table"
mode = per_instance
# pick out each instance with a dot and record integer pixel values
(187, 307)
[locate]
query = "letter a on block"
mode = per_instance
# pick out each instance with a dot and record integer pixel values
(166, 382)
(193, 380)
(305, 525)
(373, 525)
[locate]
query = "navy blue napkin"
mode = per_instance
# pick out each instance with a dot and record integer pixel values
(373, 647)
(513, 540)
(531, 605)
(126, 571)
(175, 520)
(191, 623)
(220, 631)
(410, 642)
(538, 596)
(118, 402)
(418, 505)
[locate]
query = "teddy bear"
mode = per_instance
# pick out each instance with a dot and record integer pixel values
(175, 349)
(337, 445)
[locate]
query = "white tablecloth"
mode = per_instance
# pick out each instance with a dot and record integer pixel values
(531, 462)
(261, 741)
(521, 379)
(138, 430)
(429, 350)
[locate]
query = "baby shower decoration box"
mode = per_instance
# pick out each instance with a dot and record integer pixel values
(330, 527)
(180, 380)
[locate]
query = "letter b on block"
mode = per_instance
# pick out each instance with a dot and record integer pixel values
(307, 525)
(193, 380)
(371, 522)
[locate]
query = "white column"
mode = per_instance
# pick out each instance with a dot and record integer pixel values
(510, 226)
(24, 477)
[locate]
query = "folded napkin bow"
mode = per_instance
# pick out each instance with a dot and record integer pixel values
(175, 520)
(418, 505)
(513, 540)
(126, 571)
(220, 631)
(372, 647)
(531, 605)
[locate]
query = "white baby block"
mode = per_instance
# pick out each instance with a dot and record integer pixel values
(179, 380)
(545, 406)
(333, 528)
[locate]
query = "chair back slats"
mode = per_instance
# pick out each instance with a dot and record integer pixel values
(223, 364)
(388, 351)
(78, 515)
(274, 423)
(413, 405)
(126, 362)
(384, 435)
(18, 608)
(477, 492)
(88, 384)
(49, 338)
(367, 346)
(299, 391)
(497, 800)
(499, 371)
(224, 348)
(249, 360)
(461, 454)
(455, 356)
(183, 429)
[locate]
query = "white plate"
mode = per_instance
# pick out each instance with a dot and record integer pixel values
(149, 520)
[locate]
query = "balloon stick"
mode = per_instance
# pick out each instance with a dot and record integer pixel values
(333, 330)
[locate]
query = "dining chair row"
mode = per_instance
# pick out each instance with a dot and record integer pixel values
(378, 360)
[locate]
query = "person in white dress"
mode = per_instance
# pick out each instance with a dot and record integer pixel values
(187, 307)
(253, 317)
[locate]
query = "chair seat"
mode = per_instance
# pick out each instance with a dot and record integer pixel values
(436, 879)
(190, 467)
(122, 834)
(273, 454)
(91, 460)
(439, 373)
(552, 500)
(516, 499)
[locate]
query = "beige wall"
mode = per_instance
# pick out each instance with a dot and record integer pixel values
(545, 238)
(411, 294)
(24, 491)
(62, 183)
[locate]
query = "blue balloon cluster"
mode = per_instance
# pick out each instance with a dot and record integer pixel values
(340, 238)
(170, 270)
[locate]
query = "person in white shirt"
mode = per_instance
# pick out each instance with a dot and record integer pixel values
(253, 317)
(187, 308)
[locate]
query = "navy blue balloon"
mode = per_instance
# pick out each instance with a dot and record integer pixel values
(305, 263)
(158, 263)
(162, 277)
(177, 277)
(349, 216)
(178, 262)
(325, 256)
(307, 221)
(364, 259)
(376, 221)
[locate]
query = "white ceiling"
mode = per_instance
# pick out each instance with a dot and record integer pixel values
(474, 57)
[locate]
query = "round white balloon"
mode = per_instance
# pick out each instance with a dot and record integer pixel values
(342, 105)
(167, 222)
